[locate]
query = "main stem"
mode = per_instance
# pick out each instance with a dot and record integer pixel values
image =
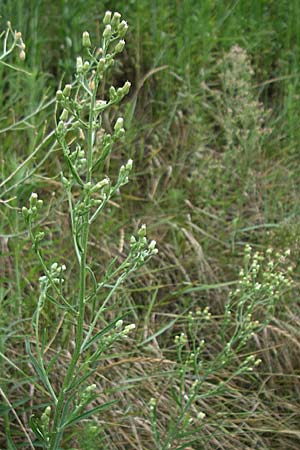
(57, 431)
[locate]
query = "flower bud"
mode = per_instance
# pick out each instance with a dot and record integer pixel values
(142, 231)
(112, 93)
(64, 115)
(25, 212)
(120, 46)
(116, 19)
(122, 28)
(59, 95)
(101, 65)
(86, 41)
(67, 90)
(60, 127)
(129, 165)
(119, 124)
(86, 66)
(107, 18)
(132, 240)
(128, 328)
(79, 64)
(33, 199)
(22, 55)
(119, 324)
(126, 87)
(152, 245)
(100, 185)
(107, 32)
(91, 388)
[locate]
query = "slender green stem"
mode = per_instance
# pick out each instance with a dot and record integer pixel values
(57, 430)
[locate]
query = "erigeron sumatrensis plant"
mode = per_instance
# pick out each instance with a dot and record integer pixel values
(202, 375)
(244, 115)
(80, 112)
(241, 118)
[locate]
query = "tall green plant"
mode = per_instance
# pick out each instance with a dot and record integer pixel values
(85, 145)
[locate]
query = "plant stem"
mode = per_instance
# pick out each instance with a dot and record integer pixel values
(57, 431)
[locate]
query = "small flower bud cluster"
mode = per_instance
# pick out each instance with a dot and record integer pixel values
(86, 396)
(124, 172)
(140, 249)
(127, 329)
(113, 25)
(249, 364)
(35, 204)
(116, 95)
(181, 339)
(265, 276)
(118, 332)
(76, 158)
(55, 273)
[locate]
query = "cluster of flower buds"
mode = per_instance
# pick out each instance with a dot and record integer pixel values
(55, 273)
(249, 364)
(76, 157)
(35, 204)
(180, 339)
(123, 332)
(124, 172)
(114, 25)
(64, 94)
(114, 30)
(264, 274)
(116, 95)
(86, 396)
(140, 249)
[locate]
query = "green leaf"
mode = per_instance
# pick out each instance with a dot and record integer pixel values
(89, 413)
(101, 333)
(40, 371)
